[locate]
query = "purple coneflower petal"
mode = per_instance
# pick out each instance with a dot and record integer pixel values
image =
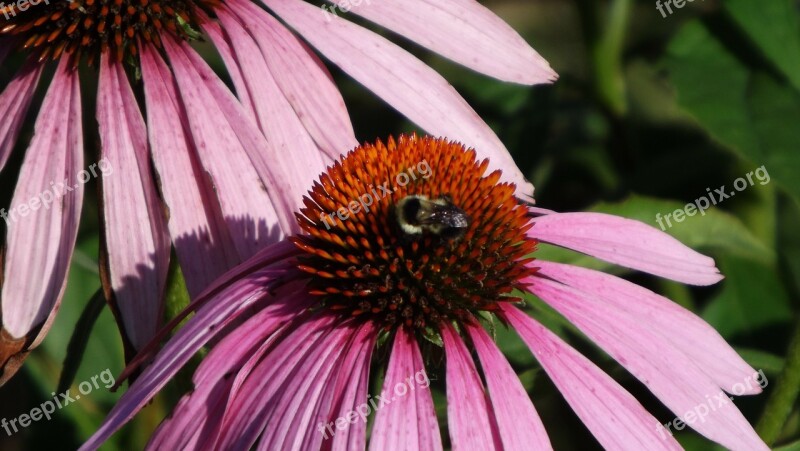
(199, 233)
(351, 389)
(293, 420)
(402, 80)
(14, 103)
(469, 413)
(198, 417)
(246, 204)
(40, 244)
(628, 243)
(464, 31)
(519, 425)
(270, 378)
(303, 79)
(218, 120)
(134, 226)
(668, 373)
(614, 417)
(676, 325)
(406, 422)
(218, 308)
(275, 116)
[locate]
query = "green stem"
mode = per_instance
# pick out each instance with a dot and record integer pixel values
(606, 45)
(781, 401)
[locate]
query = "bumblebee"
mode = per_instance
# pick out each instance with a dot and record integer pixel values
(419, 214)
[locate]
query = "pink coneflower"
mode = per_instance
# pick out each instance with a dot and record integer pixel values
(227, 172)
(432, 265)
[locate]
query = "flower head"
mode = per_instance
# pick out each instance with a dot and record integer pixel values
(228, 171)
(297, 329)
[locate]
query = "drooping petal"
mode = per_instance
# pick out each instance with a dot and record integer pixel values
(217, 119)
(469, 413)
(44, 213)
(402, 80)
(519, 425)
(273, 113)
(667, 372)
(198, 417)
(677, 326)
(293, 420)
(351, 386)
(217, 309)
(14, 103)
(135, 231)
(408, 422)
(271, 377)
(614, 417)
(628, 243)
(464, 31)
(202, 242)
(303, 79)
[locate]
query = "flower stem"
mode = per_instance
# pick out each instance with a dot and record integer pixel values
(780, 403)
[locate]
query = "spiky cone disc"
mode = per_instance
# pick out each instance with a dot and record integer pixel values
(52, 28)
(365, 266)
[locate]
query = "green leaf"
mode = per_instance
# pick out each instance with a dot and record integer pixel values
(752, 298)
(761, 360)
(774, 27)
(744, 110)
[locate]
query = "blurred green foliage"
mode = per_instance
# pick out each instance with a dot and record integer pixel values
(648, 113)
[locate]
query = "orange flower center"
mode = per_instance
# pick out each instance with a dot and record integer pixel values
(52, 28)
(413, 233)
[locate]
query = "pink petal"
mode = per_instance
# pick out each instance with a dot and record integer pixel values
(218, 309)
(14, 103)
(303, 79)
(469, 414)
(677, 326)
(628, 243)
(202, 242)
(135, 230)
(405, 422)
(214, 31)
(198, 417)
(351, 385)
(217, 122)
(217, 119)
(668, 373)
(41, 242)
(294, 418)
(275, 373)
(402, 80)
(464, 31)
(519, 425)
(274, 114)
(613, 416)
